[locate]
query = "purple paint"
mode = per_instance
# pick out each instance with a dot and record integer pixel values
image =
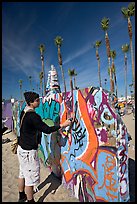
(103, 135)
(7, 112)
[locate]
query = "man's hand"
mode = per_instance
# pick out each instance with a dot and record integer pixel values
(65, 124)
(68, 122)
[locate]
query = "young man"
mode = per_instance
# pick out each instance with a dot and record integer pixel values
(31, 123)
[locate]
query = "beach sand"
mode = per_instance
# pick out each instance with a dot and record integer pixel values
(51, 189)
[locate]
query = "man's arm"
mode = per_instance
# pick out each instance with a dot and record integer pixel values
(41, 126)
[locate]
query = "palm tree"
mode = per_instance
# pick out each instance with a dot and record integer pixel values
(113, 56)
(75, 74)
(20, 84)
(112, 81)
(127, 13)
(71, 74)
(125, 49)
(130, 86)
(30, 77)
(58, 42)
(131, 91)
(41, 77)
(96, 46)
(42, 50)
(105, 82)
(105, 25)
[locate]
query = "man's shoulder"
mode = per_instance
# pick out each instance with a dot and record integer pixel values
(30, 110)
(32, 113)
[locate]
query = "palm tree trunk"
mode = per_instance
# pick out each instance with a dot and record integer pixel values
(42, 61)
(71, 86)
(99, 76)
(114, 76)
(63, 78)
(116, 84)
(112, 85)
(59, 56)
(109, 57)
(21, 92)
(41, 90)
(126, 82)
(133, 69)
(105, 83)
(132, 54)
(62, 71)
(111, 80)
(74, 82)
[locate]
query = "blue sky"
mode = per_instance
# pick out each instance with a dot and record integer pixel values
(26, 25)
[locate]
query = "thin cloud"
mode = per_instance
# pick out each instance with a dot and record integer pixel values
(15, 41)
(77, 54)
(16, 54)
(20, 61)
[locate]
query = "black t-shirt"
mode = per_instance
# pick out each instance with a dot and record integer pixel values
(31, 125)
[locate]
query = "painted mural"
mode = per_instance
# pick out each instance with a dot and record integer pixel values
(92, 154)
(16, 110)
(52, 86)
(7, 112)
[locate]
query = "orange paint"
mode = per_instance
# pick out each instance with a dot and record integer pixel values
(92, 138)
(68, 175)
(64, 114)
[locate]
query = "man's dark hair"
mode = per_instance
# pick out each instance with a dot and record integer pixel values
(30, 97)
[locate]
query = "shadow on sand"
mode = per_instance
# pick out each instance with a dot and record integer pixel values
(131, 167)
(5, 131)
(55, 183)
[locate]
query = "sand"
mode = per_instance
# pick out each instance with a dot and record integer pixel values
(51, 189)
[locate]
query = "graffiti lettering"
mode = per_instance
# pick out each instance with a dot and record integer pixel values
(123, 168)
(78, 133)
(108, 176)
(51, 110)
(86, 148)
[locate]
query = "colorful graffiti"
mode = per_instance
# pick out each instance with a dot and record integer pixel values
(52, 86)
(7, 112)
(16, 110)
(92, 154)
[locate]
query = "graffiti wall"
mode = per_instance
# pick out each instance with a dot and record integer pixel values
(7, 112)
(16, 109)
(92, 154)
(95, 162)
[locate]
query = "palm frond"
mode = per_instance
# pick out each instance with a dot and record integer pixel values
(71, 72)
(42, 48)
(20, 81)
(98, 43)
(105, 23)
(58, 41)
(125, 48)
(113, 54)
(125, 12)
(131, 9)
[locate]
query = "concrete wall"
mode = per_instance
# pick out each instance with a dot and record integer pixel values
(7, 112)
(92, 156)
